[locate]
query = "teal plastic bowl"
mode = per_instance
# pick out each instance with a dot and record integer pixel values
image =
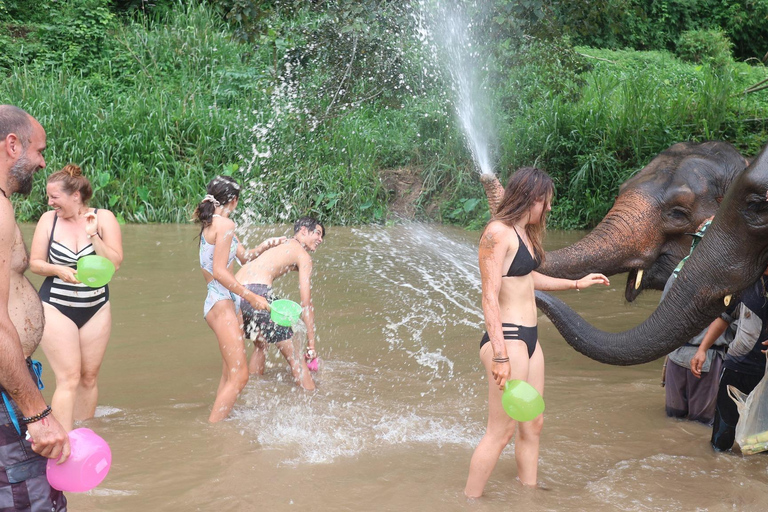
(285, 312)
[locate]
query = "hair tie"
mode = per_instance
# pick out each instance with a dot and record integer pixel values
(210, 199)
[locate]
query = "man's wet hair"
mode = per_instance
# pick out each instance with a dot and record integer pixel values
(15, 120)
(309, 223)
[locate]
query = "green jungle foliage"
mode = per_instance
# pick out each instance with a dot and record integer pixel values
(313, 104)
(705, 46)
(659, 24)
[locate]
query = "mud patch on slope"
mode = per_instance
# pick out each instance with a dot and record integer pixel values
(404, 186)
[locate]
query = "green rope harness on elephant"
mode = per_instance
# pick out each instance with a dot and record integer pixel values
(697, 236)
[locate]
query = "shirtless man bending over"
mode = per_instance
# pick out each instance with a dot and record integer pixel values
(258, 276)
(23, 484)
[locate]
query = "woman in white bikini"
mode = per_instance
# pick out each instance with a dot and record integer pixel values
(218, 249)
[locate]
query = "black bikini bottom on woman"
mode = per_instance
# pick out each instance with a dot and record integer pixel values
(517, 332)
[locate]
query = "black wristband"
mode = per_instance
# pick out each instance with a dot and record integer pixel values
(37, 417)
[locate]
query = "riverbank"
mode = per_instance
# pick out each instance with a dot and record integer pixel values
(348, 128)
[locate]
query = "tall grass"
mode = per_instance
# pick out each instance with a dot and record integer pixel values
(627, 108)
(181, 101)
(178, 107)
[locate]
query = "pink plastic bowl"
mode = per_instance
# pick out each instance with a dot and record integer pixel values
(86, 467)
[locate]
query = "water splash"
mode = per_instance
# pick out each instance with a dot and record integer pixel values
(462, 55)
(437, 266)
(345, 420)
(422, 286)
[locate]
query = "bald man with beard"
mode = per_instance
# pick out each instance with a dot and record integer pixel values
(28, 431)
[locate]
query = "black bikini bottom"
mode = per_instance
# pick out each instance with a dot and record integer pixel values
(517, 332)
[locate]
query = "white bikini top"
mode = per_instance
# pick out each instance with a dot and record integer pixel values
(206, 252)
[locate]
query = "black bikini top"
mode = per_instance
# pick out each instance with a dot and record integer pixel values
(523, 263)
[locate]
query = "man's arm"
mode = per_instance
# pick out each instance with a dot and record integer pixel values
(305, 286)
(14, 374)
(48, 436)
(714, 331)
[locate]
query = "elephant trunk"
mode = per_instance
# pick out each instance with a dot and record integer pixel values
(624, 240)
(709, 279)
(493, 191)
(646, 342)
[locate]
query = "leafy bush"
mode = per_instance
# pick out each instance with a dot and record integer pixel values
(659, 24)
(73, 34)
(705, 46)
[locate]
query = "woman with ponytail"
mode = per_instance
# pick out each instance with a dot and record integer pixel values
(78, 319)
(218, 249)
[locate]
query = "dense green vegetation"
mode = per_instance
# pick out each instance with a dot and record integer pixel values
(311, 104)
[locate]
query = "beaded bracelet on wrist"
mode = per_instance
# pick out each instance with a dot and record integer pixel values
(37, 417)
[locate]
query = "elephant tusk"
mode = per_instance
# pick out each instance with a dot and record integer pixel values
(638, 278)
(727, 299)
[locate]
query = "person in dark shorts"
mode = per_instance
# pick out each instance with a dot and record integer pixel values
(687, 396)
(744, 364)
(258, 321)
(258, 276)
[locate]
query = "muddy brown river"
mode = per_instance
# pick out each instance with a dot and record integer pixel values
(401, 398)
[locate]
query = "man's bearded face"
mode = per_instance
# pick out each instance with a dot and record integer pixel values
(21, 174)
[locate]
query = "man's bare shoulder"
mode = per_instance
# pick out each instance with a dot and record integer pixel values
(291, 252)
(273, 262)
(8, 226)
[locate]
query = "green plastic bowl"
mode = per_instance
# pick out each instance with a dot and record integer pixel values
(94, 270)
(285, 312)
(521, 400)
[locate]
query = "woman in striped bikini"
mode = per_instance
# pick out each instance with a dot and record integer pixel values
(78, 319)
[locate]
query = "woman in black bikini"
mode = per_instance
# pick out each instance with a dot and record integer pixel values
(510, 251)
(78, 319)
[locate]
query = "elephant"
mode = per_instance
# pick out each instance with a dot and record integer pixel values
(731, 256)
(647, 231)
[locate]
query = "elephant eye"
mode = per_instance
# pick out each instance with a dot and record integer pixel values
(678, 213)
(757, 203)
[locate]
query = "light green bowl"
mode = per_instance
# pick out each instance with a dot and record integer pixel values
(94, 270)
(285, 312)
(521, 400)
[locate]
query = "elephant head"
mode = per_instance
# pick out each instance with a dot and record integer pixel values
(731, 257)
(647, 231)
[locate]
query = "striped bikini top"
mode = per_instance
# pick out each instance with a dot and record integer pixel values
(206, 253)
(60, 254)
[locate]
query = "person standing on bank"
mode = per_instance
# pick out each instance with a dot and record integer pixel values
(78, 318)
(510, 251)
(218, 249)
(29, 433)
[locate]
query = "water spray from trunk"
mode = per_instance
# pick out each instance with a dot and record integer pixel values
(462, 57)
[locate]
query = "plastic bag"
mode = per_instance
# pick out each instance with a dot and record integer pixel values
(752, 428)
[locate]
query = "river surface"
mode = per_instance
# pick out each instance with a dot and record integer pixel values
(401, 399)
